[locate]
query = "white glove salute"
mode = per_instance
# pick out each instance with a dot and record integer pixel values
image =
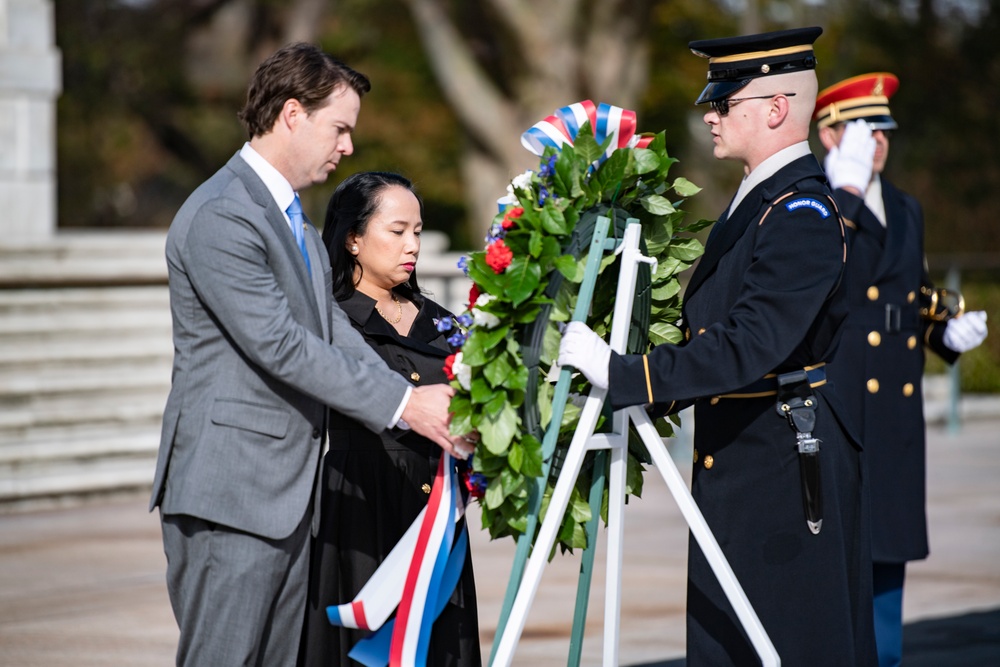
(965, 332)
(587, 352)
(850, 164)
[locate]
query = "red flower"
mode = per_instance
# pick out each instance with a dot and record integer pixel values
(498, 256)
(448, 363)
(473, 295)
(510, 217)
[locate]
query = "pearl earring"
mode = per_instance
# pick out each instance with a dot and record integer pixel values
(354, 249)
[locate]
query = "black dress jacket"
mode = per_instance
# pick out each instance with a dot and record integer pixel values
(880, 362)
(767, 297)
(373, 486)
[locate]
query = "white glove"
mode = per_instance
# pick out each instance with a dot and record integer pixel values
(587, 352)
(850, 164)
(965, 332)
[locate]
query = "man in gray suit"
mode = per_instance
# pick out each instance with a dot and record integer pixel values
(260, 351)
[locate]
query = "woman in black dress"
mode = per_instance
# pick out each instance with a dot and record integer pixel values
(374, 485)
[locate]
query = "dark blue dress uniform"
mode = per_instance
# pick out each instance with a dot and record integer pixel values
(765, 298)
(880, 363)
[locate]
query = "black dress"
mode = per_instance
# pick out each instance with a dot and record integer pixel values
(373, 487)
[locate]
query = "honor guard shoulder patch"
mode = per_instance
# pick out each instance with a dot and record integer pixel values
(808, 202)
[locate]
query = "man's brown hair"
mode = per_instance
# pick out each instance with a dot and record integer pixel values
(297, 71)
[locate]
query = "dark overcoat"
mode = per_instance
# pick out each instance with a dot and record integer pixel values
(880, 363)
(766, 297)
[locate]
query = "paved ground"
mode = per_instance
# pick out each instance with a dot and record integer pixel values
(83, 586)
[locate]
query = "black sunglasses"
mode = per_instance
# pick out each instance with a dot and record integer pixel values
(721, 107)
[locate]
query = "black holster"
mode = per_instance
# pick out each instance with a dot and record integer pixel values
(797, 404)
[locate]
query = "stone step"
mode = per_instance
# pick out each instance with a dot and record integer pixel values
(91, 348)
(76, 478)
(85, 258)
(46, 382)
(84, 299)
(67, 322)
(119, 406)
(79, 443)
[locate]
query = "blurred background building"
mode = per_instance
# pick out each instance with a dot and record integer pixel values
(112, 111)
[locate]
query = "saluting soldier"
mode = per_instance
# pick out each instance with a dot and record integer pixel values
(895, 312)
(762, 316)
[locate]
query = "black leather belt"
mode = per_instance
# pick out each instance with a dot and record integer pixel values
(888, 318)
(768, 385)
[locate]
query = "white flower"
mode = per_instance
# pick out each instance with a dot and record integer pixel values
(506, 201)
(484, 299)
(484, 319)
(521, 182)
(462, 372)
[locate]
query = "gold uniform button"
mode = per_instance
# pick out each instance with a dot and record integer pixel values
(701, 331)
(426, 488)
(910, 297)
(415, 376)
(874, 338)
(872, 386)
(696, 456)
(715, 400)
(687, 334)
(911, 342)
(873, 293)
(709, 462)
(908, 389)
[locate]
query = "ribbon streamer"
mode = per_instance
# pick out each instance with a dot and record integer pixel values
(418, 576)
(605, 121)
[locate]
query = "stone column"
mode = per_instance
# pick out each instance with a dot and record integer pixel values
(30, 81)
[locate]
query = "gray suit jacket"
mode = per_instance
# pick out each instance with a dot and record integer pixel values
(260, 350)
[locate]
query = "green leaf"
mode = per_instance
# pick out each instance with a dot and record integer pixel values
(685, 188)
(494, 495)
(664, 332)
(657, 205)
(552, 218)
(579, 508)
(523, 277)
(646, 160)
(585, 145)
(532, 464)
(667, 291)
(515, 457)
(535, 243)
(496, 432)
(481, 392)
(686, 250)
(568, 266)
(497, 371)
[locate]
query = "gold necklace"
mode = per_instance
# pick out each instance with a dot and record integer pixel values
(399, 310)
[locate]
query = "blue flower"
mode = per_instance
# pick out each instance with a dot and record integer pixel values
(463, 263)
(543, 194)
(457, 339)
(548, 167)
(465, 319)
(443, 324)
(496, 232)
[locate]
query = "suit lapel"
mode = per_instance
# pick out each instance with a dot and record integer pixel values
(276, 220)
(723, 237)
(315, 249)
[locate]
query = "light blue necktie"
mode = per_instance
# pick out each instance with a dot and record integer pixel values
(294, 212)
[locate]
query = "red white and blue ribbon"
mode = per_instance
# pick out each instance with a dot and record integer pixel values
(564, 125)
(418, 576)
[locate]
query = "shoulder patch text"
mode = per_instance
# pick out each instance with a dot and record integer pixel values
(808, 202)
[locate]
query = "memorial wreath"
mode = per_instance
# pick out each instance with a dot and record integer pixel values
(525, 284)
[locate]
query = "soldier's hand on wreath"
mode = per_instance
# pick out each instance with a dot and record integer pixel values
(587, 352)
(965, 332)
(850, 164)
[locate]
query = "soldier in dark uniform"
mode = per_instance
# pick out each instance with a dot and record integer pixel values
(880, 361)
(762, 315)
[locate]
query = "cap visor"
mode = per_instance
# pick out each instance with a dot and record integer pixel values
(880, 122)
(718, 90)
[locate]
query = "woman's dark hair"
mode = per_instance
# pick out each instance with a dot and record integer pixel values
(351, 206)
(297, 71)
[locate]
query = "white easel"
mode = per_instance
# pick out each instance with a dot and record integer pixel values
(584, 439)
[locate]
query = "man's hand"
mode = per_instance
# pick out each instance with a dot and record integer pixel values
(849, 165)
(965, 332)
(428, 413)
(585, 351)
